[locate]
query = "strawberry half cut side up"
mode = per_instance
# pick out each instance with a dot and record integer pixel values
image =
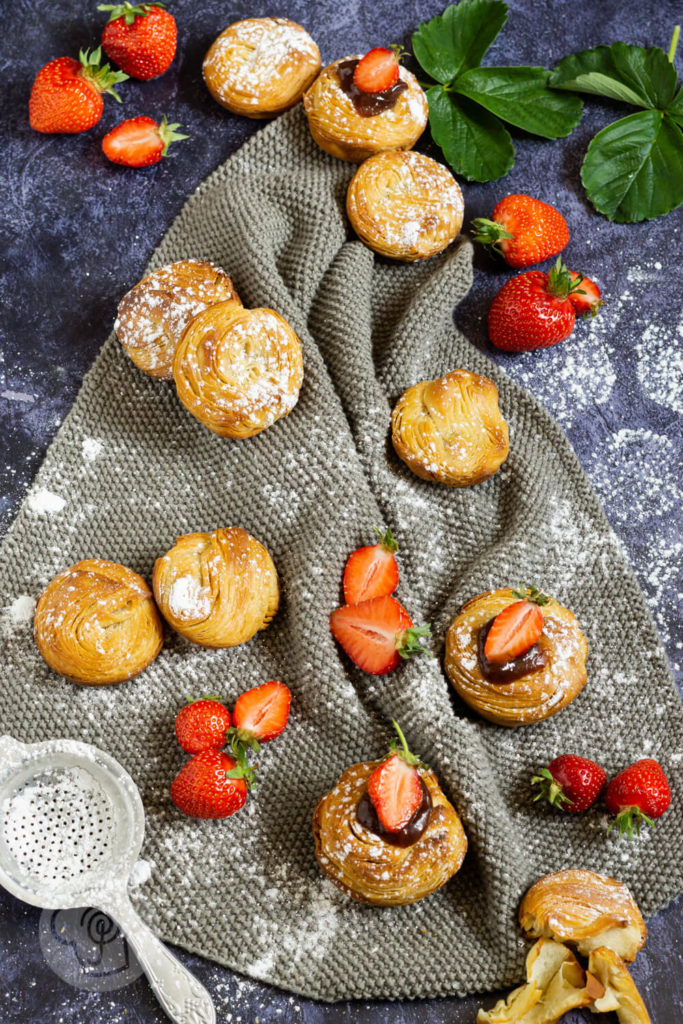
(260, 714)
(140, 141)
(371, 571)
(377, 71)
(395, 788)
(585, 295)
(377, 634)
(516, 628)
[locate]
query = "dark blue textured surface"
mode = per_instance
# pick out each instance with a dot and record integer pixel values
(77, 233)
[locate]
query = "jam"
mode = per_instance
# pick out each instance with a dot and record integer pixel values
(530, 661)
(409, 834)
(367, 104)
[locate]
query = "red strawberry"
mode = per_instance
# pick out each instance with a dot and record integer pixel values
(210, 785)
(516, 628)
(533, 310)
(394, 787)
(140, 39)
(202, 725)
(376, 634)
(140, 141)
(638, 793)
(585, 296)
(67, 94)
(377, 71)
(524, 230)
(261, 714)
(371, 571)
(570, 782)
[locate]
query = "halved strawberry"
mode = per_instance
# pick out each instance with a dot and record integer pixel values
(371, 571)
(377, 71)
(394, 787)
(585, 295)
(514, 631)
(140, 141)
(376, 634)
(261, 714)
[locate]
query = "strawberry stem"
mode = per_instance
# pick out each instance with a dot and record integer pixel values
(489, 232)
(560, 283)
(168, 134)
(243, 769)
(387, 540)
(549, 789)
(408, 643)
(100, 76)
(531, 593)
(673, 46)
(129, 12)
(404, 752)
(627, 818)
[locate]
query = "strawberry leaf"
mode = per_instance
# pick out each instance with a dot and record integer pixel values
(676, 109)
(456, 40)
(631, 171)
(630, 74)
(474, 141)
(520, 96)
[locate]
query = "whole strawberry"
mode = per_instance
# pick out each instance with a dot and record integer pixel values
(570, 783)
(210, 785)
(140, 39)
(67, 93)
(533, 310)
(638, 793)
(202, 725)
(140, 141)
(523, 230)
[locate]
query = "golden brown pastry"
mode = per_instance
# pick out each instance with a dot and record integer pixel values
(153, 315)
(451, 429)
(621, 994)
(538, 684)
(261, 66)
(217, 589)
(556, 983)
(368, 861)
(586, 910)
(96, 623)
(238, 370)
(338, 127)
(404, 205)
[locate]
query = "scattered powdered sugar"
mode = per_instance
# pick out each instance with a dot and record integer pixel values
(141, 873)
(91, 448)
(660, 364)
(188, 600)
(44, 502)
(18, 614)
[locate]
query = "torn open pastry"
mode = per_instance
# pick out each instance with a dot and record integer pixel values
(259, 67)
(451, 429)
(217, 589)
(585, 909)
(621, 994)
(556, 983)
(535, 672)
(153, 315)
(386, 834)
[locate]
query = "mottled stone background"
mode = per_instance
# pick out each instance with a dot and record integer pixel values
(76, 232)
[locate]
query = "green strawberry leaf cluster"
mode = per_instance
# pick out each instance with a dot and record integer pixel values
(470, 105)
(633, 168)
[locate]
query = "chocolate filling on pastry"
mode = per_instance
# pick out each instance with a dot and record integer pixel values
(530, 661)
(367, 104)
(409, 834)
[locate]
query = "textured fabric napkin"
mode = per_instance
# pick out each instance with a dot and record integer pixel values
(130, 470)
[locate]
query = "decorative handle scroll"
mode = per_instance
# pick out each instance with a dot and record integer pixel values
(183, 998)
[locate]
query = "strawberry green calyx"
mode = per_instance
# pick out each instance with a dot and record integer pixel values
(549, 789)
(128, 11)
(408, 643)
(627, 818)
(531, 593)
(560, 281)
(242, 770)
(400, 747)
(489, 232)
(387, 540)
(100, 75)
(168, 134)
(207, 696)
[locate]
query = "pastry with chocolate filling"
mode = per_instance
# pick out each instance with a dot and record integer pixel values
(259, 67)
(516, 657)
(154, 313)
(404, 205)
(386, 833)
(451, 430)
(585, 909)
(556, 983)
(353, 124)
(217, 589)
(96, 623)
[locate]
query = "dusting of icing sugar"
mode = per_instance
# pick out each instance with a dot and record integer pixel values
(91, 448)
(188, 600)
(45, 502)
(141, 873)
(18, 614)
(660, 364)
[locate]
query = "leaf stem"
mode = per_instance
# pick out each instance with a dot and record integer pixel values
(674, 42)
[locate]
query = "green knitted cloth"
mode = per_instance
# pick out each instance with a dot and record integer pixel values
(130, 470)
